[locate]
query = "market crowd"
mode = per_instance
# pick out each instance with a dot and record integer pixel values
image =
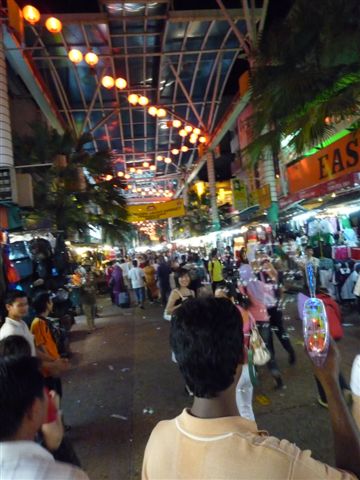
(223, 311)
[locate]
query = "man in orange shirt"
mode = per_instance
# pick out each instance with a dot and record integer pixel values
(211, 440)
(53, 365)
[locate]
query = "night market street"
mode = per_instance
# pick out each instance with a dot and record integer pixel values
(123, 382)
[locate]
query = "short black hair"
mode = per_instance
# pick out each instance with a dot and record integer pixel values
(20, 384)
(135, 263)
(40, 302)
(206, 336)
(13, 295)
(309, 247)
(15, 345)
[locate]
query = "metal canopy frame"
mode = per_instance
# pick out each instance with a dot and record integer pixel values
(180, 60)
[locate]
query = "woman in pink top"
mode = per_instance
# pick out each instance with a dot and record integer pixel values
(244, 388)
(261, 298)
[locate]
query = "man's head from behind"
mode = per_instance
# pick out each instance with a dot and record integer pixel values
(207, 339)
(23, 404)
(16, 304)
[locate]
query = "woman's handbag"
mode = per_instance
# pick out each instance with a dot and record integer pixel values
(260, 354)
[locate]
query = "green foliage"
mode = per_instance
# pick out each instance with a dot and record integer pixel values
(307, 70)
(75, 196)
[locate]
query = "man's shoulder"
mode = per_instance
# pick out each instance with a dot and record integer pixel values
(66, 471)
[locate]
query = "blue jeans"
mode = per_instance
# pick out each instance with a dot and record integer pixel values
(140, 294)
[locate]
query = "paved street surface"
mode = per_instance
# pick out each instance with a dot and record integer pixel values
(123, 382)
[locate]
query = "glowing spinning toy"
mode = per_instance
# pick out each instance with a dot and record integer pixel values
(315, 323)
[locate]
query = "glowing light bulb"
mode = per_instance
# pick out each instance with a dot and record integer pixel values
(183, 132)
(175, 151)
(152, 111)
(161, 113)
(167, 160)
(120, 174)
(108, 177)
(75, 55)
(120, 83)
(127, 176)
(132, 169)
(133, 98)
(152, 168)
(159, 158)
(31, 14)
(202, 139)
(176, 123)
(143, 101)
(184, 148)
(107, 81)
(197, 131)
(53, 25)
(139, 171)
(193, 138)
(91, 59)
(146, 164)
(189, 128)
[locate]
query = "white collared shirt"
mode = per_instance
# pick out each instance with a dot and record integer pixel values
(18, 327)
(26, 460)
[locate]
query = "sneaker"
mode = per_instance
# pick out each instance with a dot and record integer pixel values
(322, 403)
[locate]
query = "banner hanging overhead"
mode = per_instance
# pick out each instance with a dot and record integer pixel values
(156, 211)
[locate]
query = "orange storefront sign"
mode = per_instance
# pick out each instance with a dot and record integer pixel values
(334, 161)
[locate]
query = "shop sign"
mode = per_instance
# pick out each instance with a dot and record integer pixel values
(334, 161)
(156, 211)
(239, 194)
(261, 196)
(316, 191)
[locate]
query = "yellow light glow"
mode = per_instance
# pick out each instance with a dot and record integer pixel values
(91, 59)
(143, 101)
(109, 177)
(120, 83)
(31, 14)
(127, 176)
(176, 123)
(159, 158)
(53, 25)
(120, 174)
(107, 81)
(152, 168)
(132, 169)
(152, 111)
(184, 148)
(189, 128)
(161, 113)
(133, 98)
(167, 160)
(183, 132)
(197, 131)
(200, 188)
(75, 55)
(202, 139)
(175, 151)
(193, 138)
(146, 164)
(139, 171)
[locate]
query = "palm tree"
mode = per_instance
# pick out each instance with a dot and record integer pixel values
(79, 190)
(307, 76)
